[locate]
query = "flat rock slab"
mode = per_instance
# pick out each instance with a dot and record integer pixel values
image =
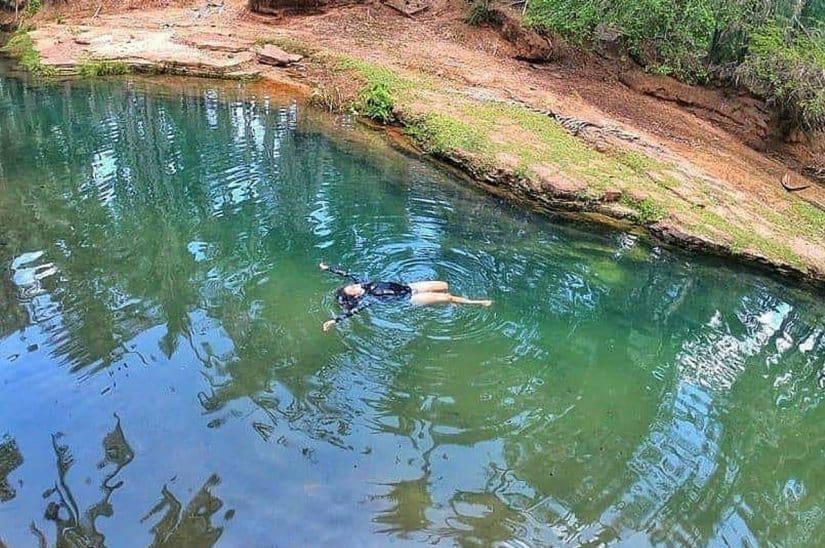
(273, 55)
(138, 48)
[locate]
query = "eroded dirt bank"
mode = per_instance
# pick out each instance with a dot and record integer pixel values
(567, 135)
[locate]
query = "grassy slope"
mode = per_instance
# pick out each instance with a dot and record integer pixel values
(502, 136)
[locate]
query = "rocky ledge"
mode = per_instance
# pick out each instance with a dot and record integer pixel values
(170, 51)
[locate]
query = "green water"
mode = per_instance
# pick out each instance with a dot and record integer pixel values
(164, 378)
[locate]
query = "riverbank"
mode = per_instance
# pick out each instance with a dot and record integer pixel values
(560, 136)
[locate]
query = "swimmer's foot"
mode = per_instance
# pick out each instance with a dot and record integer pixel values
(323, 266)
(329, 324)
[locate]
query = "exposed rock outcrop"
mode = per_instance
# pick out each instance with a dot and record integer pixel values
(273, 55)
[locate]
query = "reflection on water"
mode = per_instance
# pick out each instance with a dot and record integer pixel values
(74, 526)
(10, 459)
(160, 293)
(189, 526)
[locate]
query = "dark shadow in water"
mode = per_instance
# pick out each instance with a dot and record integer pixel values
(74, 525)
(190, 525)
(408, 502)
(10, 459)
(178, 525)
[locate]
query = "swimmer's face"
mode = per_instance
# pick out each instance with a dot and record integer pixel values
(354, 290)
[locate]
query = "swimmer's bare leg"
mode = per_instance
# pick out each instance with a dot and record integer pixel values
(429, 287)
(426, 299)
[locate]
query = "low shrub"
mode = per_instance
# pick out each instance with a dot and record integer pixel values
(32, 7)
(668, 36)
(788, 71)
(775, 48)
(378, 102)
(480, 13)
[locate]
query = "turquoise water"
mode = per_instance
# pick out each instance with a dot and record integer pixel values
(164, 378)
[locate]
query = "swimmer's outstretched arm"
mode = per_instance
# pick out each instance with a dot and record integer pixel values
(337, 270)
(329, 324)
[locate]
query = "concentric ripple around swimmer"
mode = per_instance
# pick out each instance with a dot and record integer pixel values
(164, 379)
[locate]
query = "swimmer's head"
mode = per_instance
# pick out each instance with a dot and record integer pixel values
(354, 290)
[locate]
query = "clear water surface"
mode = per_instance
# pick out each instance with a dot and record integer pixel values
(164, 379)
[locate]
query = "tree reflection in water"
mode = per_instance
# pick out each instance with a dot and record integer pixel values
(190, 525)
(10, 459)
(76, 526)
(614, 390)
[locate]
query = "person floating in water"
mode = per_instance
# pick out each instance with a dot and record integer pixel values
(353, 297)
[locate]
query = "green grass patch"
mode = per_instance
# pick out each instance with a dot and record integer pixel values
(374, 74)
(743, 239)
(32, 7)
(539, 139)
(383, 89)
(92, 68)
(648, 210)
(442, 134)
(480, 13)
(21, 47)
(813, 219)
(549, 140)
(637, 162)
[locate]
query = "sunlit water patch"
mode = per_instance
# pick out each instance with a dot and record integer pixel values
(164, 377)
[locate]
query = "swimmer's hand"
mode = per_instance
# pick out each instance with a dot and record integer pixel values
(323, 266)
(329, 324)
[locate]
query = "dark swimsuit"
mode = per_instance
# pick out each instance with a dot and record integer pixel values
(379, 290)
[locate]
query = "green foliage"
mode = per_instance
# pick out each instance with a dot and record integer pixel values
(91, 68)
(21, 47)
(777, 45)
(378, 102)
(648, 211)
(811, 218)
(480, 13)
(789, 71)
(383, 88)
(32, 7)
(670, 36)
